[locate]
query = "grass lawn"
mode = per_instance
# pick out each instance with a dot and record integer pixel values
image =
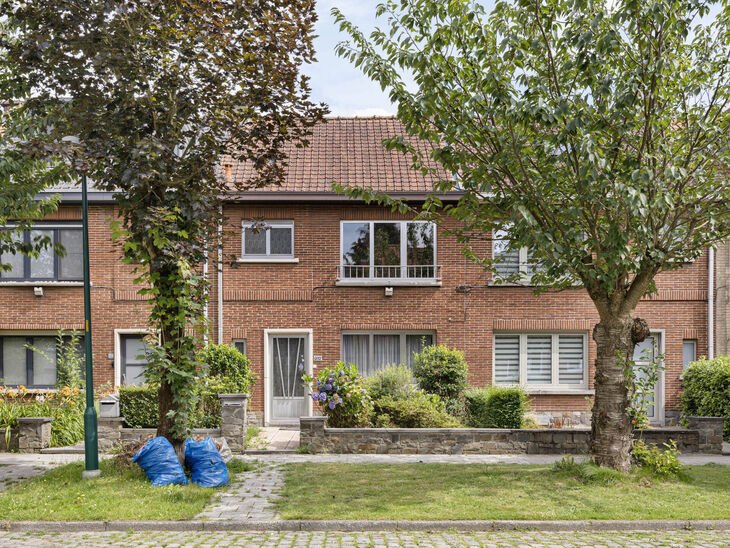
(502, 491)
(120, 493)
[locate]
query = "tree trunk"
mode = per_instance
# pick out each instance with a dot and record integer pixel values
(611, 426)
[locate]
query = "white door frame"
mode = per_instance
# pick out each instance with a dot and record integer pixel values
(268, 378)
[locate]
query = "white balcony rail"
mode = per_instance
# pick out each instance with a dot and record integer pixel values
(387, 272)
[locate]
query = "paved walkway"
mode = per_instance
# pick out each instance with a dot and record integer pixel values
(15, 467)
(708, 539)
(274, 438)
(250, 496)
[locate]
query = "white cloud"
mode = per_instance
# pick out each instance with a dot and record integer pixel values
(373, 111)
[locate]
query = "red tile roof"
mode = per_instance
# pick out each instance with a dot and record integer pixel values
(349, 151)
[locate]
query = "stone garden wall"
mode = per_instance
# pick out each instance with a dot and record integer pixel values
(457, 441)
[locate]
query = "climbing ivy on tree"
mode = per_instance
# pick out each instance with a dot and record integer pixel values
(155, 93)
(592, 132)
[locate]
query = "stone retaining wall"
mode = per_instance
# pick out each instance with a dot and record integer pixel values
(456, 441)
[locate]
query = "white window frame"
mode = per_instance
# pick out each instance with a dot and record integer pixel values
(660, 388)
(523, 269)
(693, 342)
(371, 279)
(555, 386)
(371, 339)
(267, 257)
(118, 334)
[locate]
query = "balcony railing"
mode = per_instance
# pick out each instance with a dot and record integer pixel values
(386, 274)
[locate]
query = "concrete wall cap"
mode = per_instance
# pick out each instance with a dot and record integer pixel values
(33, 420)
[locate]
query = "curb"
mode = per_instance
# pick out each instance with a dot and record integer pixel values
(364, 525)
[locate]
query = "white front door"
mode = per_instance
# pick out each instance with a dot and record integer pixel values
(288, 358)
(645, 352)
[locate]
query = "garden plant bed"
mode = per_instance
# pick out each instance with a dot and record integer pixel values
(121, 493)
(339, 491)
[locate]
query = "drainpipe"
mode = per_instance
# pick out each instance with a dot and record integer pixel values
(207, 290)
(711, 304)
(220, 276)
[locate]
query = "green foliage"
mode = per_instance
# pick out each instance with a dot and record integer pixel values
(226, 362)
(341, 394)
(706, 390)
(417, 410)
(69, 360)
(139, 406)
(660, 462)
(192, 92)
(587, 473)
(395, 381)
(641, 379)
(496, 407)
(442, 371)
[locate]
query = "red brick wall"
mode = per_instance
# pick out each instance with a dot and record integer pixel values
(304, 296)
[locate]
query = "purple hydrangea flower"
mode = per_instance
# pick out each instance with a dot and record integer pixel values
(329, 380)
(322, 396)
(331, 405)
(328, 387)
(315, 396)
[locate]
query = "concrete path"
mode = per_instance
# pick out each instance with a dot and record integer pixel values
(303, 539)
(276, 438)
(250, 496)
(15, 467)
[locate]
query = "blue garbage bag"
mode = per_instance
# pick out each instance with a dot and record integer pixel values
(158, 460)
(206, 465)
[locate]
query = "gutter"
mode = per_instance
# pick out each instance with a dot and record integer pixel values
(711, 304)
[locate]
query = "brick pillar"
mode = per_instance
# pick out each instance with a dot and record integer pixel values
(34, 434)
(311, 432)
(233, 420)
(110, 432)
(710, 429)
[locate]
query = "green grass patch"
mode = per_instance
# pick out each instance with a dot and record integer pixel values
(252, 432)
(121, 493)
(336, 491)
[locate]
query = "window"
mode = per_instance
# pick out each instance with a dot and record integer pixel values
(644, 353)
(509, 261)
(48, 266)
(270, 240)
(240, 345)
(541, 360)
(388, 250)
(373, 351)
(689, 352)
(134, 360)
(29, 360)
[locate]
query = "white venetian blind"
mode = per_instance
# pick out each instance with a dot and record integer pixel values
(572, 360)
(506, 359)
(539, 359)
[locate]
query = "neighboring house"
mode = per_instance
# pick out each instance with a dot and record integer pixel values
(334, 279)
(722, 299)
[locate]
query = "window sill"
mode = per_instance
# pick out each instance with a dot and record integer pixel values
(388, 283)
(267, 260)
(559, 391)
(41, 283)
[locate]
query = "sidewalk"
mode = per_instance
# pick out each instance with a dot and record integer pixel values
(15, 467)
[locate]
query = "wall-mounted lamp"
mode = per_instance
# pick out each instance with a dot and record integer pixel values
(388, 291)
(38, 291)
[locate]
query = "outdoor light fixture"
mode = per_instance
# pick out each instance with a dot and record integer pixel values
(388, 291)
(38, 291)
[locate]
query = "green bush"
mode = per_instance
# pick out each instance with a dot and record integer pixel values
(706, 390)
(341, 394)
(417, 410)
(496, 407)
(660, 462)
(442, 371)
(139, 405)
(395, 381)
(226, 362)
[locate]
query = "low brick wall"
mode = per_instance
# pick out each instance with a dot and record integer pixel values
(458, 441)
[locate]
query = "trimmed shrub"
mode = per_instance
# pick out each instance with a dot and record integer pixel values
(706, 390)
(395, 381)
(442, 371)
(496, 407)
(139, 405)
(341, 394)
(417, 410)
(226, 362)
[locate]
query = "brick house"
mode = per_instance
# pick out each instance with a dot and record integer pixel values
(331, 278)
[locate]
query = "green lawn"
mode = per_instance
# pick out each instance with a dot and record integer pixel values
(120, 493)
(460, 491)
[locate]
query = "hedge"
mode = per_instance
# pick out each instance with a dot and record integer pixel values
(139, 405)
(706, 390)
(496, 407)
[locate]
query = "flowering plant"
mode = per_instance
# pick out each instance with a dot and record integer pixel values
(341, 394)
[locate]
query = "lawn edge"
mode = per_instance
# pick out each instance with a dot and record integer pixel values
(366, 525)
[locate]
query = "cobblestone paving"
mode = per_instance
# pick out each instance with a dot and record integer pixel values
(334, 539)
(250, 496)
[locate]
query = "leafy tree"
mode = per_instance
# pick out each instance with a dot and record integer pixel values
(156, 92)
(593, 132)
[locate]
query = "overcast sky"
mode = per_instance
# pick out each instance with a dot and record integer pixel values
(334, 80)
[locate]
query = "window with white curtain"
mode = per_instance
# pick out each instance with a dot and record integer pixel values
(371, 351)
(541, 360)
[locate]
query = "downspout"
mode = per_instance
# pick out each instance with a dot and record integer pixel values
(711, 304)
(207, 291)
(220, 276)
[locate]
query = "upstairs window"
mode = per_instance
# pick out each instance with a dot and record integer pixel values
(509, 262)
(268, 240)
(48, 266)
(546, 360)
(388, 250)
